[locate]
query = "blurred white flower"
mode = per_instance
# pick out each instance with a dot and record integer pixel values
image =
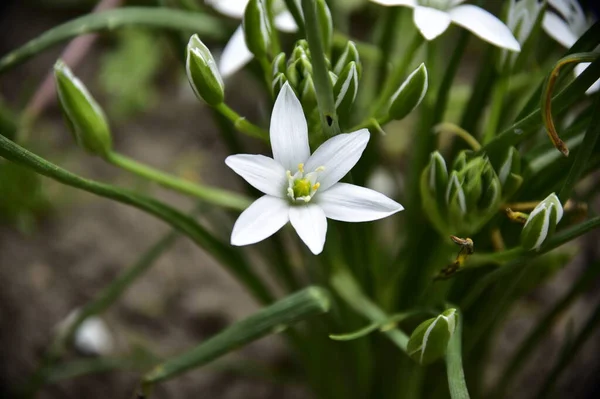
(310, 194)
(432, 18)
(93, 337)
(236, 54)
(565, 25)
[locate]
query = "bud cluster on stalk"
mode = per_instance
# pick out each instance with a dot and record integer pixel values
(429, 340)
(461, 200)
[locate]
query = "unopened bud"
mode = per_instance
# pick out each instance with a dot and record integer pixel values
(257, 28)
(84, 116)
(203, 73)
(349, 54)
(278, 65)
(346, 88)
(410, 94)
(278, 83)
(429, 340)
(325, 23)
(542, 222)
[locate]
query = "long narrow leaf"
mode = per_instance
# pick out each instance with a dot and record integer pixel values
(204, 25)
(274, 318)
(454, 367)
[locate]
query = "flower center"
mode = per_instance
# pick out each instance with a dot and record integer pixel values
(302, 187)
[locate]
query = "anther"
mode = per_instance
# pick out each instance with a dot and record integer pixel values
(320, 169)
(316, 186)
(301, 167)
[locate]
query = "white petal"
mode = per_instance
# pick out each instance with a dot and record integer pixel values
(262, 219)
(558, 29)
(93, 337)
(350, 203)
(311, 225)
(485, 25)
(289, 132)
(338, 155)
(263, 173)
(231, 8)
(579, 68)
(235, 54)
(406, 3)
(285, 22)
(431, 22)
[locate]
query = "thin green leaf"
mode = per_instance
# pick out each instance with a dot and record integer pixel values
(382, 326)
(153, 17)
(232, 259)
(454, 367)
(272, 319)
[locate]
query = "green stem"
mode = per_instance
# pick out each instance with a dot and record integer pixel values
(454, 367)
(329, 118)
(242, 123)
(293, 8)
(583, 154)
(210, 195)
(233, 260)
(498, 97)
(394, 80)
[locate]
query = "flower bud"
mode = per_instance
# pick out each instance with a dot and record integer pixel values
(325, 23)
(278, 65)
(434, 181)
(82, 113)
(203, 74)
(346, 88)
(541, 223)
(333, 78)
(257, 28)
(429, 340)
(308, 94)
(410, 94)
(349, 54)
(278, 83)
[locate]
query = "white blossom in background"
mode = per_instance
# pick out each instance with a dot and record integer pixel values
(522, 15)
(432, 18)
(565, 24)
(93, 337)
(301, 188)
(236, 54)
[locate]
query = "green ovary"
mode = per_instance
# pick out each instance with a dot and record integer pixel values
(301, 188)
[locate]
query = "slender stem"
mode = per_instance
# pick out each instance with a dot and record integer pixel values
(242, 123)
(394, 80)
(329, 118)
(583, 154)
(458, 131)
(498, 96)
(210, 195)
(293, 8)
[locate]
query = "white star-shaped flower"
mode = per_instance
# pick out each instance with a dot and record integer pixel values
(567, 27)
(236, 54)
(432, 18)
(301, 188)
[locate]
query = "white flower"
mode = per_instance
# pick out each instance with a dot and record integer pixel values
(301, 188)
(236, 54)
(433, 17)
(93, 337)
(565, 26)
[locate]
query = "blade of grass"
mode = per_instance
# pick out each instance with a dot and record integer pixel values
(276, 317)
(153, 17)
(232, 259)
(454, 367)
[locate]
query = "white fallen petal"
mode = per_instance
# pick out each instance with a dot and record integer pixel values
(263, 173)
(93, 337)
(235, 54)
(310, 223)
(350, 203)
(260, 220)
(430, 21)
(231, 8)
(485, 25)
(558, 29)
(338, 155)
(289, 131)
(285, 22)
(579, 68)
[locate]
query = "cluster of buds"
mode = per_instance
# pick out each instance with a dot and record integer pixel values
(462, 200)
(298, 71)
(429, 340)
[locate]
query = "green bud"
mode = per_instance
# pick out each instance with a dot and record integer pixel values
(299, 51)
(326, 24)
(257, 28)
(203, 74)
(82, 113)
(293, 74)
(542, 222)
(278, 83)
(410, 94)
(429, 340)
(349, 54)
(509, 173)
(308, 94)
(434, 181)
(333, 78)
(460, 162)
(278, 65)
(346, 88)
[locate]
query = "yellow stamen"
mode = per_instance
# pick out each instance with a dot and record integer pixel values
(320, 169)
(316, 186)
(301, 167)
